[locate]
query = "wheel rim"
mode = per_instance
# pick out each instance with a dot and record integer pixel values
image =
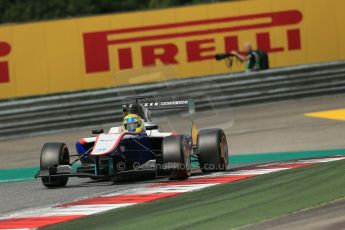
(64, 157)
(224, 151)
(186, 158)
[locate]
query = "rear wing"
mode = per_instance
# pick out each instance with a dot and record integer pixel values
(187, 104)
(143, 108)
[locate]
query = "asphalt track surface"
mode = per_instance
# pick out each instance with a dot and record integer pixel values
(28, 195)
(261, 128)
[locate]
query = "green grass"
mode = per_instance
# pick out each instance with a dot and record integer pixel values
(229, 205)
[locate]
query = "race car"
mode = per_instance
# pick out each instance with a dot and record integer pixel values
(118, 155)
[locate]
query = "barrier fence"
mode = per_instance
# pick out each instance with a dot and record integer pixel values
(54, 113)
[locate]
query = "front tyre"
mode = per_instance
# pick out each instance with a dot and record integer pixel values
(54, 154)
(212, 150)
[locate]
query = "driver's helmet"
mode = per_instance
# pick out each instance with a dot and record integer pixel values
(133, 123)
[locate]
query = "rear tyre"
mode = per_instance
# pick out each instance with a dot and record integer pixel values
(176, 157)
(54, 154)
(212, 150)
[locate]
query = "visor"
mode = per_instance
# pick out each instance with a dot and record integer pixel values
(131, 127)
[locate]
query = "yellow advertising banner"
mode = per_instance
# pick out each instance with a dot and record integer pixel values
(102, 51)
